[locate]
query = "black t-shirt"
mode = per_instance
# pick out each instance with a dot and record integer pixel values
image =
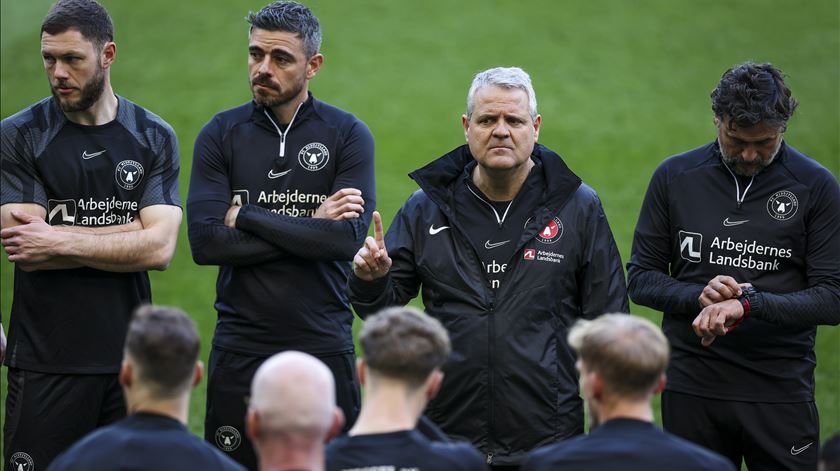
(495, 227)
(628, 445)
(407, 449)
(282, 273)
(144, 441)
(75, 321)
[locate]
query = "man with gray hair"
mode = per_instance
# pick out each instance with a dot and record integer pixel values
(510, 248)
(159, 370)
(404, 351)
(621, 361)
(292, 412)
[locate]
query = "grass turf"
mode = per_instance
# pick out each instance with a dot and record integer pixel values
(621, 85)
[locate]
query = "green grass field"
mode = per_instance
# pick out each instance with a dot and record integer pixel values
(621, 86)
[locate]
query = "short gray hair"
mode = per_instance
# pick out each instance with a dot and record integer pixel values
(503, 77)
(291, 17)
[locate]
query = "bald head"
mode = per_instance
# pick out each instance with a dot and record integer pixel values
(294, 393)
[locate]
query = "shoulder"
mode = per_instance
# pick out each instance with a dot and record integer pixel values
(37, 118)
(550, 455)
(91, 449)
(139, 119)
(688, 161)
(225, 120)
(334, 115)
(804, 169)
(698, 457)
(463, 455)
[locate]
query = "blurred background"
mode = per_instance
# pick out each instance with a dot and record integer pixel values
(620, 87)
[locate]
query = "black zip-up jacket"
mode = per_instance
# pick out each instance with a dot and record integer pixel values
(784, 238)
(282, 273)
(511, 383)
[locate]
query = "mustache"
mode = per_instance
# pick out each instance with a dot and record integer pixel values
(265, 80)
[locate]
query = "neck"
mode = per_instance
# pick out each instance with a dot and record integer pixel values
(142, 401)
(280, 455)
(102, 112)
(625, 409)
(501, 185)
(389, 406)
(286, 111)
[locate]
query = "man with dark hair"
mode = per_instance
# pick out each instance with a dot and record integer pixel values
(292, 412)
(621, 361)
(88, 202)
(280, 197)
(830, 454)
(158, 372)
(743, 282)
(510, 247)
(404, 351)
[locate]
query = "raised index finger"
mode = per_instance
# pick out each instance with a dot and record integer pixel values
(378, 234)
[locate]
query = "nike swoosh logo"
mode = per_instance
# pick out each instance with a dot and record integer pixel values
(273, 175)
(796, 451)
(86, 156)
(488, 245)
(434, 230)
(728, 223)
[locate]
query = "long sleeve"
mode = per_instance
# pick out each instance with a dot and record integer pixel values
(603, 288)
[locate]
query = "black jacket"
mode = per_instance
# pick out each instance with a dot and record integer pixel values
(511, 383)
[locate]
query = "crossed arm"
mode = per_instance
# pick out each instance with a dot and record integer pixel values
(146, 243)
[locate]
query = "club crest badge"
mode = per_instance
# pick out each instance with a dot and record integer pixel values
(782, 205)
(314, 156)
(129, 173)
(228, 438)
(552, 232)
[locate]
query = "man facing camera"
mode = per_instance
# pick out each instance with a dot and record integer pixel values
(622, 360)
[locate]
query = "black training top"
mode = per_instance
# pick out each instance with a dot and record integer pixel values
(144, 441)
(407, 449)
(75, 321)
(784, 238)
(282, 273)
(628, 445)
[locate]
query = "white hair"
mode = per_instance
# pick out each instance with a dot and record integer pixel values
(503, 77)
(294, 393)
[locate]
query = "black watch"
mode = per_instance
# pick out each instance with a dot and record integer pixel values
(749, 299)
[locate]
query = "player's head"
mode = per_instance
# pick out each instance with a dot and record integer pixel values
(290, 17)
(406, 345)
(161, 353)
(293, 401)
(830, 454)
(503, 77)
(752, 106)
(283, 56)
(620, 358)
(78, 49)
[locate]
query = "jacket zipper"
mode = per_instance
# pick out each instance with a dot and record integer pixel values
(281, 133)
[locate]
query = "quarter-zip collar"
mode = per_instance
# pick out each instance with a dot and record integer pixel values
(265, 119)
(741, 196)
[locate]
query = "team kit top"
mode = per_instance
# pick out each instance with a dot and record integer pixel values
(780, 231)
(144, 441)
(282, 273)
(628, 445)
(401, 450)
(75, 320)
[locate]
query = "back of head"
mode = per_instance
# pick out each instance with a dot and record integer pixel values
(291, 17)
(830, 454)
(163, 346)
(629, 353)
(750, 94)
(88, 17)
(503, 77)
(404, 343)
(294, 395)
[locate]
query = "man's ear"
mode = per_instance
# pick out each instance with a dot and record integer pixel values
(433, 384)
(126, 375)
(199, 373)
(337, 424)
(314, 65)
(465, 121)
(108, 55)
(661, 385)
(252, 425)
(361, 371)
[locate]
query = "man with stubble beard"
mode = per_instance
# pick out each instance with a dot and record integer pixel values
(281, 194)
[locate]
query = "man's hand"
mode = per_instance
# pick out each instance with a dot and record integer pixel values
(717, 319)
(372, 260)
(230, 216)
(346, 203)
(721, 288)
(33, 241)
